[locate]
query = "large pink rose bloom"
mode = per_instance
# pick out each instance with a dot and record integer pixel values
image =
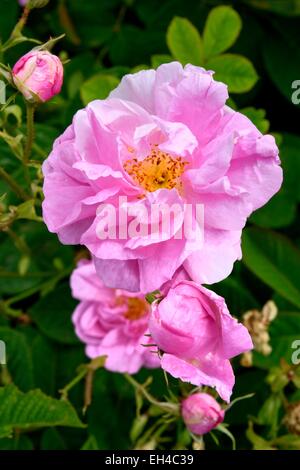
(197, 335)
(163, 136)
(111, 322)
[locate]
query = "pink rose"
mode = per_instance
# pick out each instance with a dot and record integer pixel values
(38, 75)
(111, 322)
(201, 413)
(197, 335)
(163, 137)
(23, 2)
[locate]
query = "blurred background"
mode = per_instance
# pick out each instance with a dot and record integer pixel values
(259, 60)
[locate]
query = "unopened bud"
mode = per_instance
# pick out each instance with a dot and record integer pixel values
(38, 75)
(201, 413)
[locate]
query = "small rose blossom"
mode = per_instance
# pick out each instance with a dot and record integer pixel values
(197, 335)
(163, 137)
(38, 75)
(111, 322)
(201, 413)
(23, 2)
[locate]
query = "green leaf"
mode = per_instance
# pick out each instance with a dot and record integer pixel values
(20, 442)
(26, 210)
(184, 42)
(250, 380)
(18, 358)
(44, 364)
(280, 211)
(132, 45)
(69, 358)
(238, 298)
(90, 444)
(52, 315)
(258, 442)
(277, 53)
(97, 87)
(37, 3)
(257, 116)
(159, 59)
(222, 27)
(282, 7)
(52, 440)
(138, 426)
(234, 70)
(284, 330)
(223, 429)
(268, 414)
(33, 410)
(14, 143)
(108, 407)
(275, 260)
(287, 442)
(290, 160)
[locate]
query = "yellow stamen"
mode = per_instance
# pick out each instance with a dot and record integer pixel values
(136, 307)
(158, 170)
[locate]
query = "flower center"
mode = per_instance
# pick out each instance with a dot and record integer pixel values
(136, 308)
(158, 170)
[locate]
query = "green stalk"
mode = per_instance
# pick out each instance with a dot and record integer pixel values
(168, 407)
(14, 185)
(30, 108)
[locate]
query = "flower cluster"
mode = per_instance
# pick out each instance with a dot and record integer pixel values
(257, 323)
(163, 137)
(112, 322)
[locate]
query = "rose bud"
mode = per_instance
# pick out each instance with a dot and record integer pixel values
(201, 413)
(38, 75)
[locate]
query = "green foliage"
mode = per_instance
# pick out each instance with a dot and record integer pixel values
(275, 260)
(234, 70)
(97, 87)
(286, 7)
(258, 117)
(277, 53)
(18, 358)
(52, 315)
(33, 410)
(222, 28)
(184, 42)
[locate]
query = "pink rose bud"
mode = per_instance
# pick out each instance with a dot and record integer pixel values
(201, 413)
(23, 2)
(38, 75)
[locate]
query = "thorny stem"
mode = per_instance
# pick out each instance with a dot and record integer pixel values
(30, 108)
(87, 371)
(88, 389)
(14, 185)
(64, 391)
(21, 23)
(169, 407)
